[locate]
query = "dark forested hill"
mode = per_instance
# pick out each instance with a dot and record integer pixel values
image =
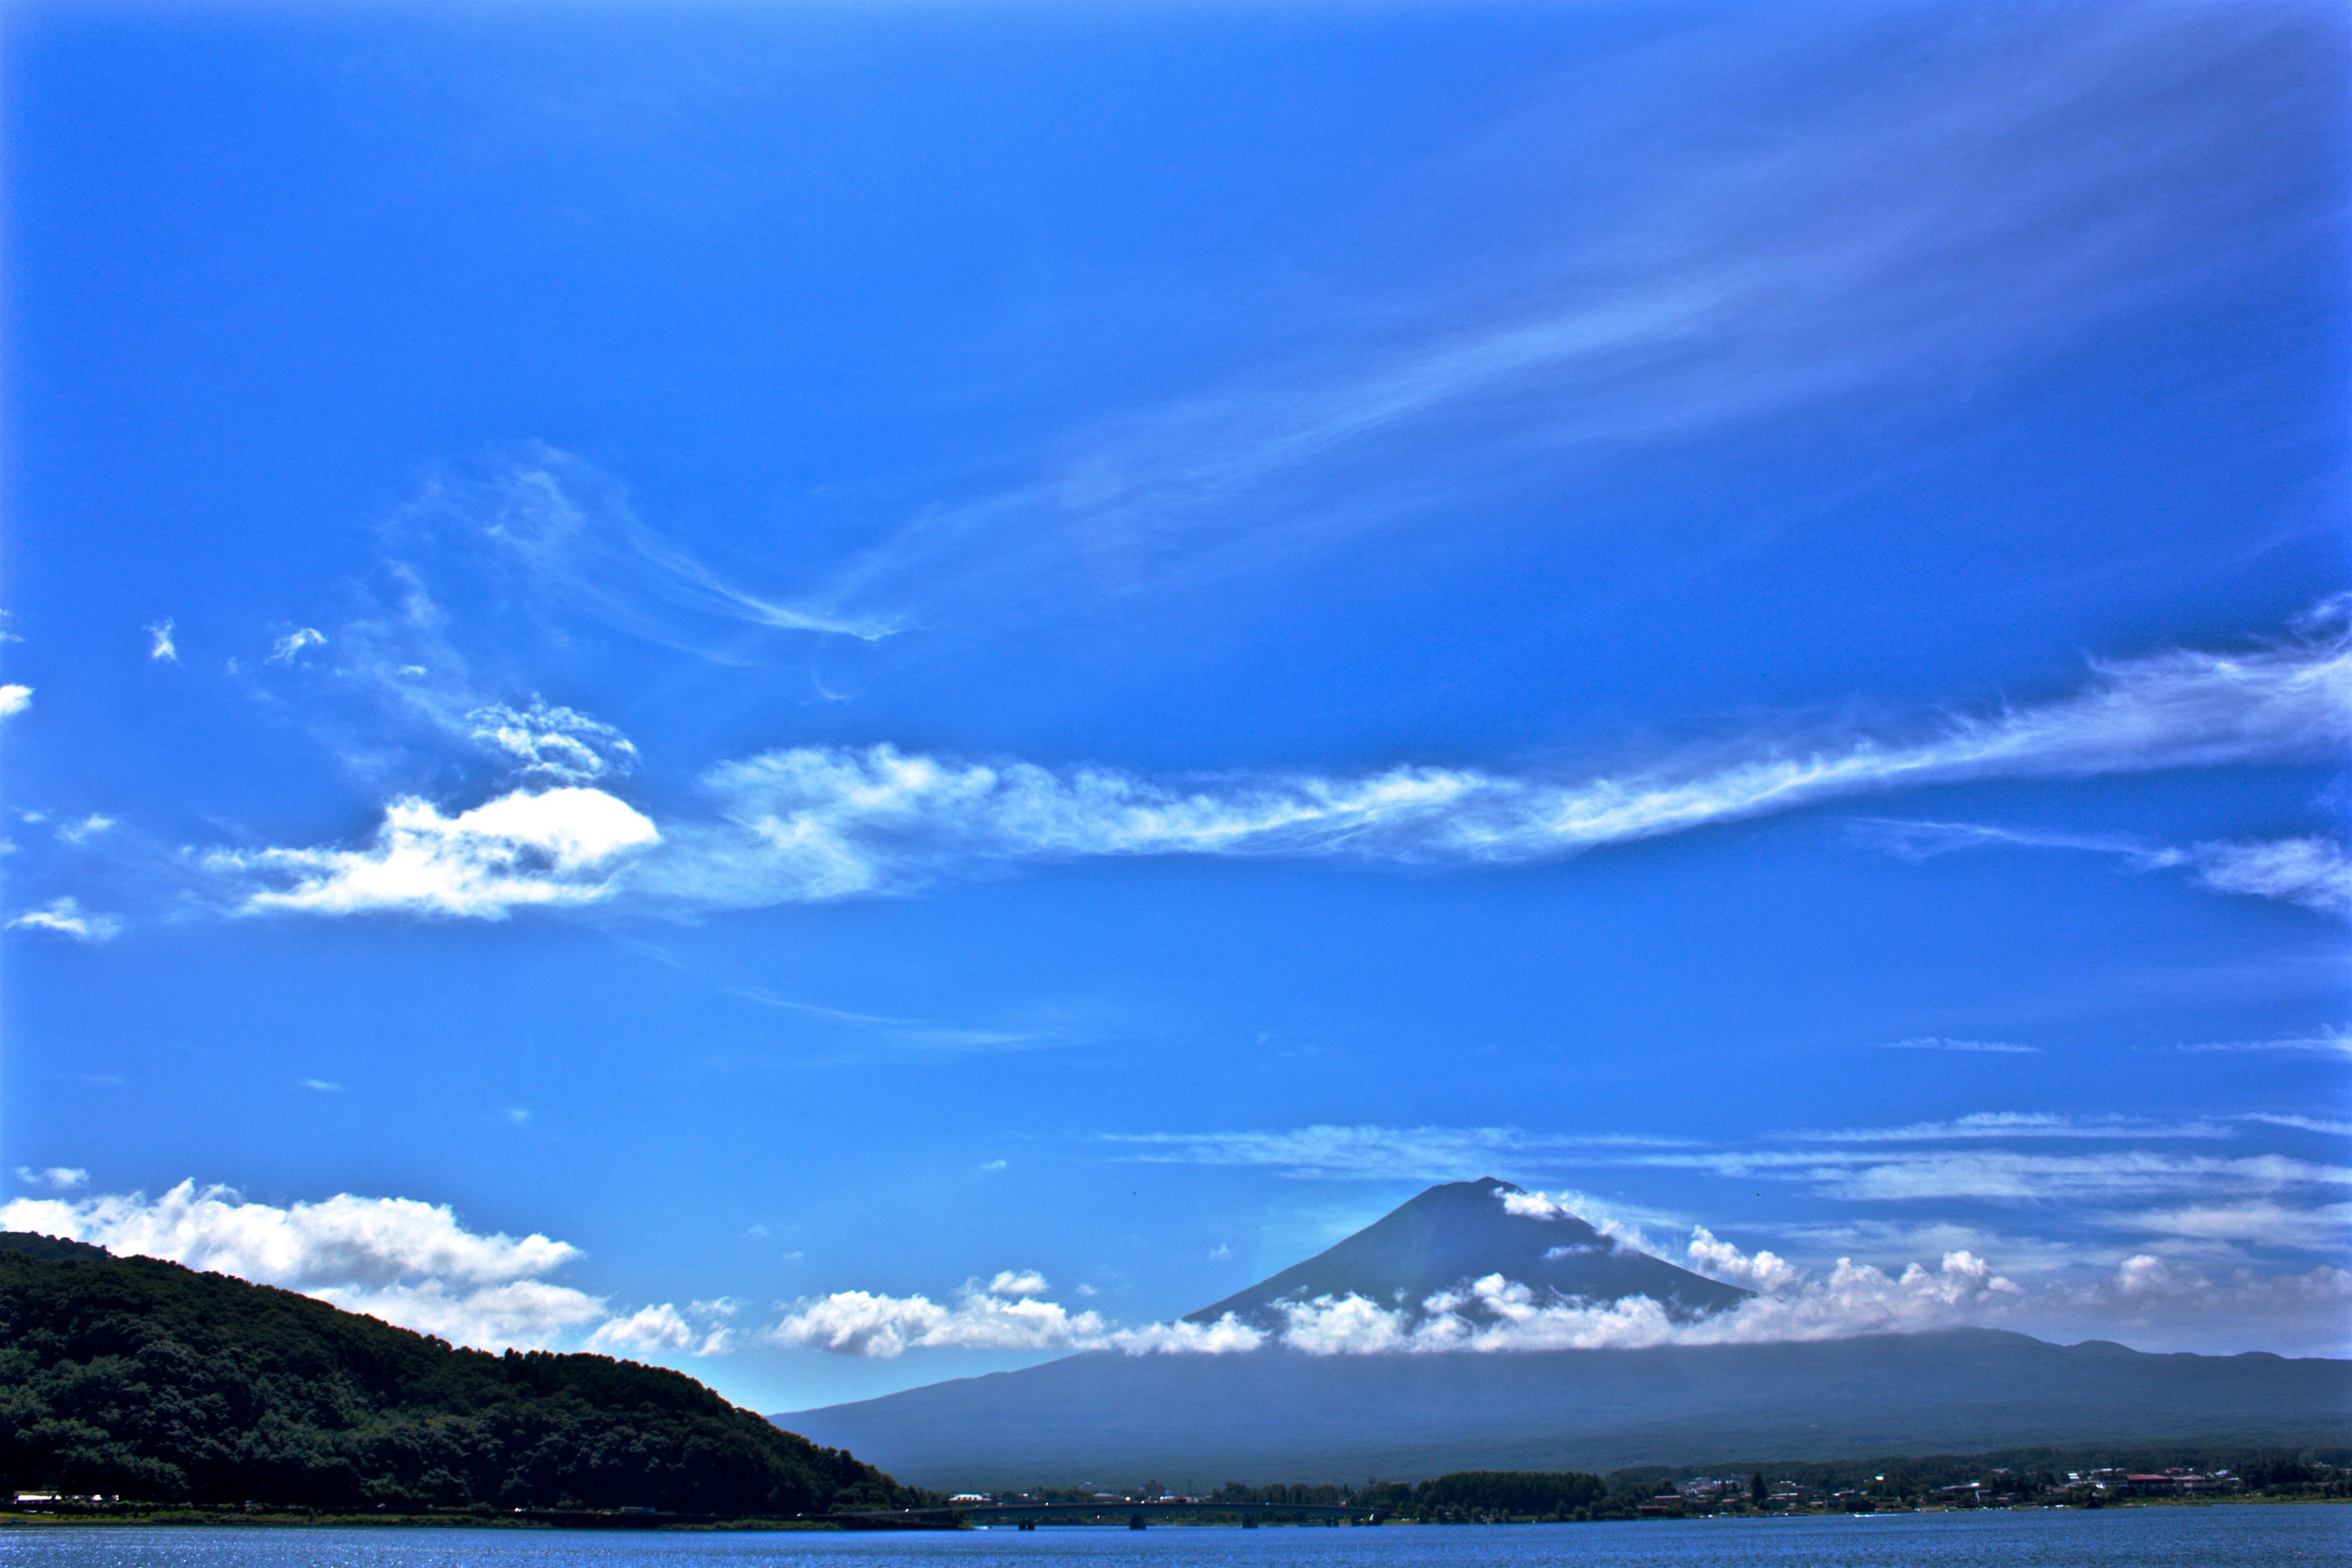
(144, 1379)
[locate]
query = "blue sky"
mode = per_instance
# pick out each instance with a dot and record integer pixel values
(679, 675)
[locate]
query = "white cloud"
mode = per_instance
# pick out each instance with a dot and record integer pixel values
(1599, 1215)
(1008, 1313)
(1985, 200)
(2313, 872)
(651, 1331)
(863, 1322)
(15, 699)
(1494, 1315)
(2014, 1124)
(61, 1178)
(1227, 1336)
(85, 829)
(555, 847)
(555, 530)
(2009, 1175)
(159, 644)
(1995, 1047)
(1022, 1282)
(525, 1314)
(404, 1261)
(2327, 1041)
(815, 823)
(1369, 1153)
(553, 741)
(288, 648)
(67, 918)
(344, 1240)
(2259, 1222)
(2304, 1123)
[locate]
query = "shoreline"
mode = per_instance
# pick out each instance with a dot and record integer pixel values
(196, 1518)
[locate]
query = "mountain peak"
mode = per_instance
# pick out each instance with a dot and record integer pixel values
(1456, 1232)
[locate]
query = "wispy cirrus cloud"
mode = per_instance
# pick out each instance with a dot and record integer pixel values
(1382, 1154)
(1982, 1048)
(816, 823)
(553, 532)
(291, 647)
(1956, 206)
(2312, 871)
(914, 1034)
(812, 823)
(2325, 1041)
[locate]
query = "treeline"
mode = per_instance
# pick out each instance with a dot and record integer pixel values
(131, 1378)
(1513, 1494)
(2027, 1471)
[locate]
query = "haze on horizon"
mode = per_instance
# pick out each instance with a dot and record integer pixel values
(838, 697)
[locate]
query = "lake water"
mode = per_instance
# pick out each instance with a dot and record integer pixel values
(2243, 1537)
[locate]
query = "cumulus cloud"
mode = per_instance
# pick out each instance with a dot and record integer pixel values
(1487, 1315)
(2152, 1297)
(66, 917)
(15, 699)
(83, 829)
(60, 1178)
(159, 640)
(402, 1261)
(651, 1331)
(1016, 1283)
(559, 846)
(1008, 1313)
(979, 1317)
(344, 1240)
(1569, 1205)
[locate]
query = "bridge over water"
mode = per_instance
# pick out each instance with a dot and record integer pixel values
(1029, 1515)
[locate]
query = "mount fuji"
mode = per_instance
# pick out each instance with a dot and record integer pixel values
(1280, 1412)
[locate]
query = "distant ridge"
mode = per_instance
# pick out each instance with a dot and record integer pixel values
(1278, 1414)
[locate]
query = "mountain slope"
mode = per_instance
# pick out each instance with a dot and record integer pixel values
(1278, 1414)
(1460, 1231)
(130, 1377)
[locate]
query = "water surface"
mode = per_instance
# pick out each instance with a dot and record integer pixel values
(2243, 1537)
